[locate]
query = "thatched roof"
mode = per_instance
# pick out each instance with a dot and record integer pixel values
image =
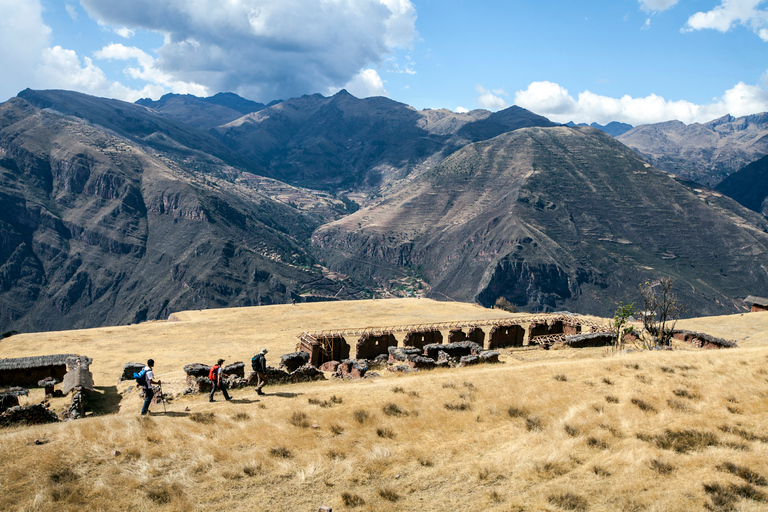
(77, 377)
(760, 301)
(24, 363)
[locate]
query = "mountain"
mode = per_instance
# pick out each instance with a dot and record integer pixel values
(705, 153)
(342, 142)
(749, 186)
(101, 227)
(552, 218)
(614, 128)
(204, 113)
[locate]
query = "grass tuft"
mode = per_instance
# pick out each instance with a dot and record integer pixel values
(361, 416)
(392, 409)
(724, 497)
(744, 434)
(660, 467)
(206, 418)
(644, 406)
(299, 419)
(572, 431)
(385, 433)
(744, 473)
(388, 494)
(568, 501)
(561, 377)
(240, 416)
(600, 471)
(684, 441)
(534, 423)
(336, 429)
(462, 406)
(352, 500)
(594, 442)
(281, 452)
(611, 399)
(517, 412)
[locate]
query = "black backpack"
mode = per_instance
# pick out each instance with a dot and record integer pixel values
(141, 377)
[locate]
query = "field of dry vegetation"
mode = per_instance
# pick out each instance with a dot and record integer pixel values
(570, 429)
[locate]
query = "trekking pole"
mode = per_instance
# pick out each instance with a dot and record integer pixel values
(162, 398)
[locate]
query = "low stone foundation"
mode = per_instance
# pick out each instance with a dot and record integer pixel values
(594, 339)
(37, 414)
(701, 340)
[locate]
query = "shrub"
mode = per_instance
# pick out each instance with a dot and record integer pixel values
(503, 304)
(392, 409)
(385, 433)
(660, 467)
(744, 473)
(202, 417)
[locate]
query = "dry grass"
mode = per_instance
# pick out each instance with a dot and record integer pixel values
(527, 441)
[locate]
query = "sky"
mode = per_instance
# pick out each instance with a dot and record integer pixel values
(632, 61)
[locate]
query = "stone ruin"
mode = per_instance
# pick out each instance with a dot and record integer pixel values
(371, 345)
(80, 380)
(11, 413)
(234, 376)
(419, 339)
(592, 339)
(456, 335)
(503, 336)
(326, 348)
(28, 371)
(701, 340)
(293, 361)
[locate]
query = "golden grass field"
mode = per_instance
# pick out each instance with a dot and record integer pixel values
(569, 429)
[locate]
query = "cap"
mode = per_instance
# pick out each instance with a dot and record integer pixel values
(219, 361)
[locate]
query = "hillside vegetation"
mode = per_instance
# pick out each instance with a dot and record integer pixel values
(570, 429)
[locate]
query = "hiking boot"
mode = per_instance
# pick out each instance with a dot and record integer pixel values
(259, 392)
(211, 400)
(229, 398)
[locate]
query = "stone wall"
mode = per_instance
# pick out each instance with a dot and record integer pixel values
(502, 336)
(29, 415)
(371, 345)
(476, 335)
(594, 339)
(420, 339)
(456, 335)
(537, 329)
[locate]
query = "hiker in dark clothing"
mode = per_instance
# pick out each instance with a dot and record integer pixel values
(215, 376)
(149, 379)
(259, 365)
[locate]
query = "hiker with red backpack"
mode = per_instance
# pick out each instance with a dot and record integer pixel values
(215, 377)
(145, 378)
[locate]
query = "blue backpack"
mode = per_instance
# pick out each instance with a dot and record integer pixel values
(140, 380)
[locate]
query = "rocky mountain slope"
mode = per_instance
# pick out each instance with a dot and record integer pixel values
(204, 113)
(705, 153)
(100, 229)
(342, 142)
(553, 218)
(749, 186)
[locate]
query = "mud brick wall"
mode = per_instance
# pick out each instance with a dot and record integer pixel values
(537, 329)
(476, 335)
(555, 327)
(371, 345)
(456, 335)
(29, 377)
(506, 336)
(570, 330)
(420, 339)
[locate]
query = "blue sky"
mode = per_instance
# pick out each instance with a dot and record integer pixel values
(635, 61)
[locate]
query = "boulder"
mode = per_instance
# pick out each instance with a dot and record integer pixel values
(490, 356)
(129, 369)
(397, 355)
(421, 362)
(469, 360)
(330, 366)
(454, 350)
(351, 369)
(294, 360)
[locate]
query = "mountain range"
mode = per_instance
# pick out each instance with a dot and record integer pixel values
(115, 213)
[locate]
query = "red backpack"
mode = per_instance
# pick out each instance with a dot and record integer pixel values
(213, 373)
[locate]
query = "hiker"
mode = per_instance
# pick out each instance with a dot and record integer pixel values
(215, 376)
(259, 365)
(147, 381)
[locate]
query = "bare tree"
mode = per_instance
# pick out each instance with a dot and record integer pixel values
(619, 326)
(662, 308)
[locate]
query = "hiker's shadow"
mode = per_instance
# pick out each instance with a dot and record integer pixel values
(243, 401)
(284, 395)
(173, 414)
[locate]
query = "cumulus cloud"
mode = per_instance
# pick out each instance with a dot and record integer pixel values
(365, 84)
(20, 21)
(148, 70)
(555, 102)
(125, 32)
(461, 110)
(657, 5)
(265, 49)
(729, 14)
(72, 11)
(491, 100)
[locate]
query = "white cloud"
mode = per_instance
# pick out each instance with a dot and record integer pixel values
(20, 22)
(646, 25)
(266, 49)
(461, 110)
(365, 84)
(72, 11)
(125, 32)
(491, 100)
(148, 70)
(61, 68)
(553, 101)
(657, 5)
(729, 14)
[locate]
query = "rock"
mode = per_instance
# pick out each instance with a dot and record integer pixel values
(491, 356)
(421, 362)
(594, 339)
(116, 453)
(294, 360)
(329, 366)
(28, 415)
(454, 350)
(236, 368)
(469, 360)
(129, 369)
(401, 354)
(197, 370)
(351, 369)
(325, 509)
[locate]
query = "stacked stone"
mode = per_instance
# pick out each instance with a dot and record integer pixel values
(37, 414)
(351, 369)
(76, 408)
(129, 369)
(294, 360)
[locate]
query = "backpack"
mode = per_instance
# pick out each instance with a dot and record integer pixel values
(253, 362)
(140, 380)
(213, 373)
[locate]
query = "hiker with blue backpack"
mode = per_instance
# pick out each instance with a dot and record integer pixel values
(145, 378)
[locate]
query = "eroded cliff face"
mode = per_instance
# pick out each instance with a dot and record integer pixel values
(96, 230)
(554, 218)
